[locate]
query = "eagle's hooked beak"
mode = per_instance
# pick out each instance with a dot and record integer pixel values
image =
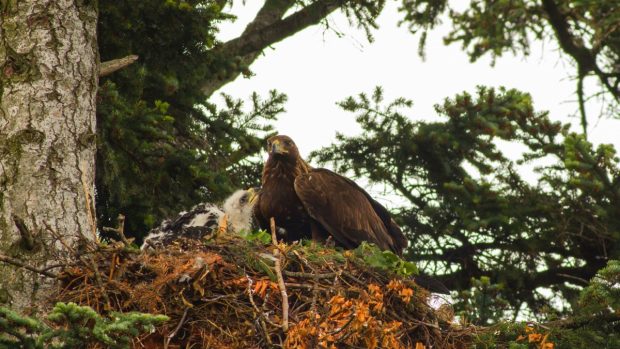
(277, 147)
(253, 195)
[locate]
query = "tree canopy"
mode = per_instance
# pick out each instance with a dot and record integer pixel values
(469, 212)
(164, 145)
(585, 30)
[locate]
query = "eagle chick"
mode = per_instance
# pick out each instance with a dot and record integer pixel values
(204, 219)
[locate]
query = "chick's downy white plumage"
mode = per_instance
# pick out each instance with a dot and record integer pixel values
(204, 219)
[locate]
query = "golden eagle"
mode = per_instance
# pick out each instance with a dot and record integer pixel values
(204, 219)
(315, 203)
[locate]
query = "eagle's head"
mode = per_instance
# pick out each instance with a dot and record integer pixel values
(239, 208)
(282, 147)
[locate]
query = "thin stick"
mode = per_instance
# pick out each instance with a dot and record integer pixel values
(298, 274)
(277, 255)
(18, 263)
(176, 330)
(109, 67)
(259, 313)
(98, 280)
(90, 208)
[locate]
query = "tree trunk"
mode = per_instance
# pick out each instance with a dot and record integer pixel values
(48, 77)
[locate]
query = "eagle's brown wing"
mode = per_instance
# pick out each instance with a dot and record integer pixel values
(347, 212)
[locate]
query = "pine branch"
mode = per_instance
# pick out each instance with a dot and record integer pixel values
(268, 28)
(584, 57)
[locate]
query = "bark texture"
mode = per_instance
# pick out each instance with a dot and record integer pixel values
(48, 84)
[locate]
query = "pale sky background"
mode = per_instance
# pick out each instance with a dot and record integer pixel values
(316, 69)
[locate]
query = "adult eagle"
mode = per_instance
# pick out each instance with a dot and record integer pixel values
(314, 203)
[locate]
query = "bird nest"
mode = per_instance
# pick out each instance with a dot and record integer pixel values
(246, 292)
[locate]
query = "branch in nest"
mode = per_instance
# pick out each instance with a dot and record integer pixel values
(120, 230)
(109, 67)
(18, 263)
(261, 317)
(310, 275)
(277, 255)
(176, 330)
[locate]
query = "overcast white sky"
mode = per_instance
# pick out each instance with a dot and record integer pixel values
(316, 68)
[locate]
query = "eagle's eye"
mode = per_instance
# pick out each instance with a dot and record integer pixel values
(244, 199)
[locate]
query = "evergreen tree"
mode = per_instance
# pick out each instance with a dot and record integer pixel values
(469, 213)
(162, 147)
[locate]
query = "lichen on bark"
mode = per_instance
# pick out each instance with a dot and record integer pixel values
(48, 82)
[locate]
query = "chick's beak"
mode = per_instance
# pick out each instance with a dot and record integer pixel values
(253, 195)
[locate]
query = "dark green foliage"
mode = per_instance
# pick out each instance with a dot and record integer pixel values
(261, 236)
(482, 304)
(71, 326)
(161, 147)
(469, 213)
(385, 260)
(594, 323)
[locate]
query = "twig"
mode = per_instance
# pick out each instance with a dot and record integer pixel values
(176, 330)
(341, 328)
(261, 319)
(120, 230)
(277, 255)
(310, 275)
(301, 286)
(18, 263)
(56, 235)
(582, 103)
(352, 277)
(576, 278)
(109, 67)
(26, 235)
(99, 280)
(92, 220)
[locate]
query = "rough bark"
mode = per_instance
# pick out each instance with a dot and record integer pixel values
(48, 83)
(268, 28)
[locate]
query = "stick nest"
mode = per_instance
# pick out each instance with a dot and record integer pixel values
(225, 293)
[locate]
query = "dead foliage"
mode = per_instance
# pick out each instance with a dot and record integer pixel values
(224, 293)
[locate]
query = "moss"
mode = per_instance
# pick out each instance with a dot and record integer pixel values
(8, 6)
(12, 146)
(18, 67)
(5, 296)
(11, 150)
(3, 225)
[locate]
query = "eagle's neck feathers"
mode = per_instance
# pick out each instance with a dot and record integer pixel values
(283, 170)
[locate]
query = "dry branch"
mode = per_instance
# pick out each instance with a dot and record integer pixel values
(109, 67)
(278, 267)
(18, 263)
(120, 230)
